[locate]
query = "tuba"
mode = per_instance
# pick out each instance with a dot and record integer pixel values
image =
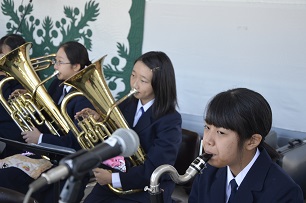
(90, 82)
(30, 109)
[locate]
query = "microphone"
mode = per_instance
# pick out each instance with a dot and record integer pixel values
(123, 142)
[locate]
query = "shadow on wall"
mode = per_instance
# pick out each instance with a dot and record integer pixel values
(195, 123)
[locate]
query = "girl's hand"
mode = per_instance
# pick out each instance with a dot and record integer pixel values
(17, 92)
(31, 136)
(103, 176)
(2, 73)
(87, 112)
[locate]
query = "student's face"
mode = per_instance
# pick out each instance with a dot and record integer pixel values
(63, 65)
(223, 145)
(141, 80)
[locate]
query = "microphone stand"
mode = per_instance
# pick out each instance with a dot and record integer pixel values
(71, 188)
(74, 182)
(23, 16)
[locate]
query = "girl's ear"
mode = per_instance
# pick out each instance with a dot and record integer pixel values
(254, 141)
(76, 67)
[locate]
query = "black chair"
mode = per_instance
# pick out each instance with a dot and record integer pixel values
(189, 150)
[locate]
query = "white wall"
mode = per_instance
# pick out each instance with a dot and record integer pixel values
(217, 45)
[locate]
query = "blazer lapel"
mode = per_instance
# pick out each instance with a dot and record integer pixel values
(254, 179)
(129, 113)
(56, 91)
(218, 186)
(144, 121)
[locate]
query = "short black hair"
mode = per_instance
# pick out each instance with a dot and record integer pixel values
(242, 110)
(12, 40)
(76, 53)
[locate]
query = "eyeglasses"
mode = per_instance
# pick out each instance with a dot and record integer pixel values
(58, 63)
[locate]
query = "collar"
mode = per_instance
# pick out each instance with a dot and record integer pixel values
(239, 178)
(67, 87)
(146, 106)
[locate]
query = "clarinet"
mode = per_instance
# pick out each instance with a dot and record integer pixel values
(156, 194)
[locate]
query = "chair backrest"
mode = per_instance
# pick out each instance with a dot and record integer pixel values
(271, 139)
(2, 146)
(188, 151)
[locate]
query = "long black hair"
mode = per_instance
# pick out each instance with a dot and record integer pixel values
(163, 82)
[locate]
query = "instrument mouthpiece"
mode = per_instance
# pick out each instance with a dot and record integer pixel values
(206, 157)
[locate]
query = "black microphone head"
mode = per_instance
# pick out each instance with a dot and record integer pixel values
(128, 140)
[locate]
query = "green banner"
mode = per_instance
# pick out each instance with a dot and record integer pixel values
(106, 27)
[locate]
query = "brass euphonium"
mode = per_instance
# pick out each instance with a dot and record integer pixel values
(42, 62)
(29, 110)
(90, 82)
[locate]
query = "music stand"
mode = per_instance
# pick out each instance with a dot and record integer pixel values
(54, 153)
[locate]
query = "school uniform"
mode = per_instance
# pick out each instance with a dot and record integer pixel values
(16, 179)
(264, 182)
(160, 139)
(9, 129)
(75, 105)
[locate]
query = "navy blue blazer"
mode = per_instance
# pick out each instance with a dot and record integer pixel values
(76, 104)
(46, 194)
(160, 139)
(9, 129)
(7, 89)
(265, 182)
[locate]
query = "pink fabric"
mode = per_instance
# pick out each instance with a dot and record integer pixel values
(117, 162)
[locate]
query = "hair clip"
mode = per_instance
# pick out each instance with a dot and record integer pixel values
(154, 69)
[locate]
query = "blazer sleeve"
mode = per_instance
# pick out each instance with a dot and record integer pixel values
(6, 90)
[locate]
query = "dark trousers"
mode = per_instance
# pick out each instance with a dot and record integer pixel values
(100, 194)
(15, 179)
